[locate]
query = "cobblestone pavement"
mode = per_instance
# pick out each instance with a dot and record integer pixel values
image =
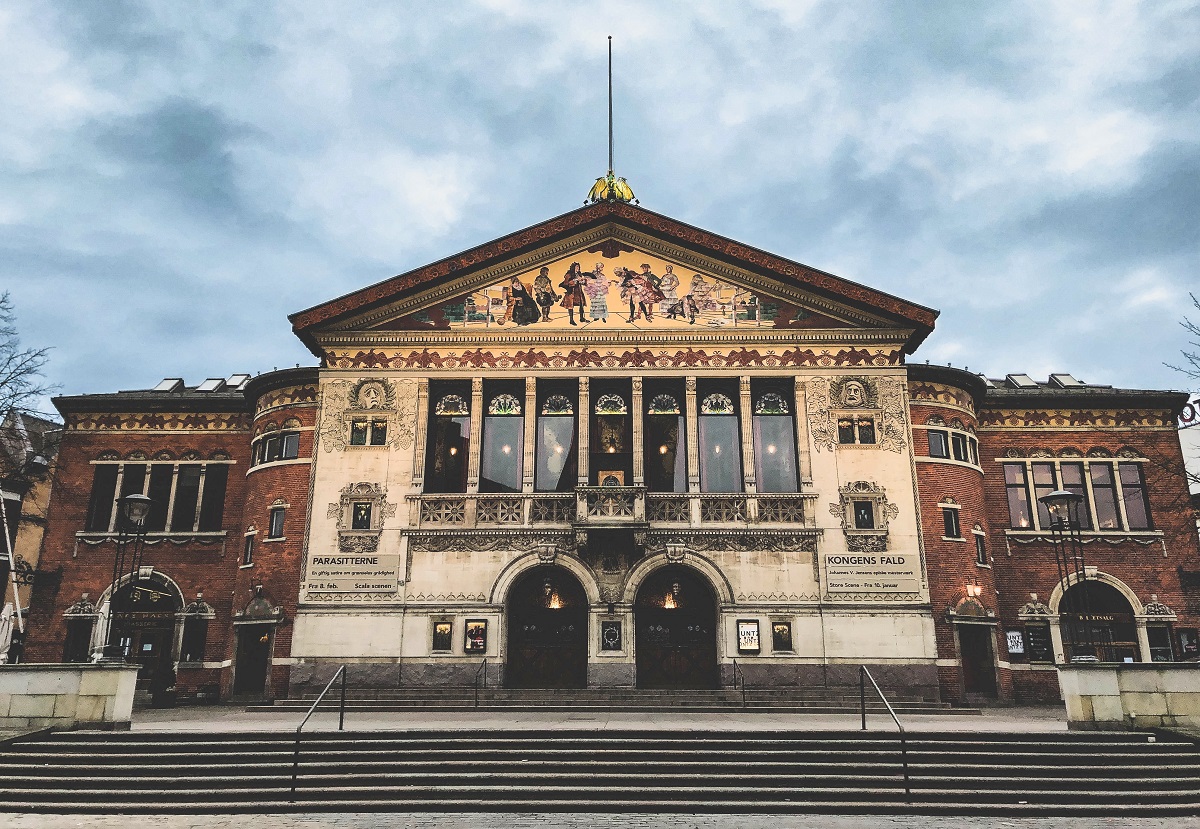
(577, 821)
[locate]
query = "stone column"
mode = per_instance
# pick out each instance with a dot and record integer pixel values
(803, 458)
(421, 435)
(527, 473)
(693, 445)
(635, 412)
(1056, 641)
(1143, 640)
(746, 415)
(475, 441)
(583, 422)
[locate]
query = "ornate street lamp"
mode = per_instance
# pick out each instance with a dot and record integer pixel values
(131, 527)
(1063, 507)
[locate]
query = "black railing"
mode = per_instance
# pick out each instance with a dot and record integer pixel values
(739, 680)
(480, 677)
(341, 672)
(863, 676)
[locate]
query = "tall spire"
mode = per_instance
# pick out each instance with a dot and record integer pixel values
(610, 187)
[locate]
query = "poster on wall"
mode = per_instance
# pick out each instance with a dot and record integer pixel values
(1016, 642)
(442, 636)
(476, 636)
(748, 636)
(781, 636)
(860, 573)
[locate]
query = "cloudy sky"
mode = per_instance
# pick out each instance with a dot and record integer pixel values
(175, 178)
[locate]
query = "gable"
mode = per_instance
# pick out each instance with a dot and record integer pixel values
(493, 289)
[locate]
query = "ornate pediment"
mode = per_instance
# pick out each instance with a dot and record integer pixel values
(609, 271)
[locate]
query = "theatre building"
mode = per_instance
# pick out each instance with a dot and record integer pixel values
(614, 450)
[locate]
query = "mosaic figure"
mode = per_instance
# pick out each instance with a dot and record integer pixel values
(669, 285)
(596, 289)
(544, 293)
(573, 297)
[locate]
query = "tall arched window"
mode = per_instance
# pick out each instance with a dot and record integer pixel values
(503, 438)
(449, 440)
(556, 450)
(665, 455)
(720, 443)
(774, 441)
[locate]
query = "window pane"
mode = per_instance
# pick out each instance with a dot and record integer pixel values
(937, 444)
(866, 430)
(864, 515)
(360, 516)
(187, 490)
(271, 449)
(1072, 481)
(1018, 496)
(378, 432)
(958, 444)
(501, 454)
(845, 430)
(1107, 516)
(291, 446)
(213, 508)
(1043, 484)
(1133, 492)
(248, 550)
(775, 453)
(104, 493)
(981, 550)
(666, 454)
(950, 523)
(358, 433)
(78, 642)
(195, 635)
(446, 458)
(720, 454)
(556, 455)
(974, 444)
(1159, 637)
(275, 529)
(134, 480)
(160, 496)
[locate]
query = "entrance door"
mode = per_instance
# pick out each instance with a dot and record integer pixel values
(547, 631)
(978, 665)
(675, 618)
(253, 659)
(144, 626)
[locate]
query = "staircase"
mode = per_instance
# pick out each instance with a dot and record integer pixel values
(841, 700)
(628, 771)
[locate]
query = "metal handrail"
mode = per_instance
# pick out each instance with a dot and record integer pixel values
(341, 672)
(739, 678)
(480, 674)
(863, 676)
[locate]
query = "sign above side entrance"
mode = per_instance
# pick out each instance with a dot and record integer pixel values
(354, 573)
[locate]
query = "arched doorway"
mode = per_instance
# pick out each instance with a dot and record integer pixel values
(547, 614)
(675, 619)
(1097, 621)
(144, 627)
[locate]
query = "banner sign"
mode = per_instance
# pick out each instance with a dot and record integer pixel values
(873, 572)
(354, 573)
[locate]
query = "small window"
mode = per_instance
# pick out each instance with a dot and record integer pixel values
(360, 516)
(1159, 637)
(950, 522)
(248, 551)
(974, 446)
(275, 526)
(358, 433)
(271, 449)
(981, 556)
(938, 446)
(1133, 492)
(78, 642)
(853, 430)
(195, 637)
(958, 446)
(1018, 496)
(864, 515)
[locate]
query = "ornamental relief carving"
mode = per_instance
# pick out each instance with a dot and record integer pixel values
(883, 395)
(375, 398)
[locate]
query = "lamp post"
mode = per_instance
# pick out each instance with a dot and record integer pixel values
(131, 527)
(1063, 507)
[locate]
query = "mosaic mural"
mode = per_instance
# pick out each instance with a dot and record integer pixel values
(634, 290)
